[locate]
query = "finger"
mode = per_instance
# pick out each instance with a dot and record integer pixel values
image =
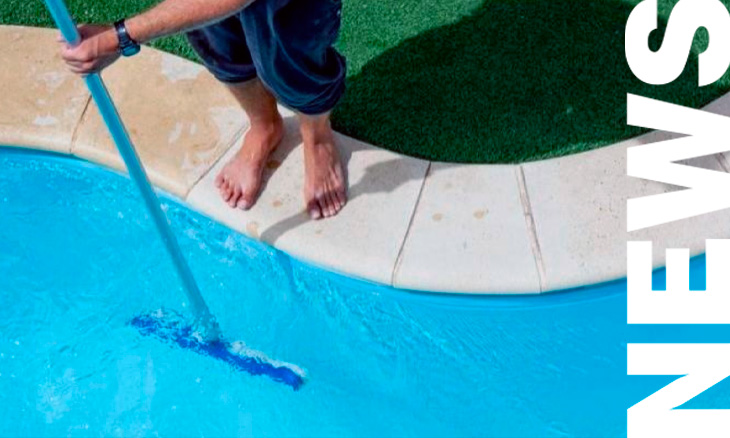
(76, 67)
(77, 64)
(81, 67)
(83, 29)
(70, 55)
(67, 54)
(84, 65)
(85, 70)
(92, 67)
(79, 71)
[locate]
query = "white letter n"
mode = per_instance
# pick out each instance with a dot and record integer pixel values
(703, 366)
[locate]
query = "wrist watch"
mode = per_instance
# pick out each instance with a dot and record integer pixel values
(127, 46)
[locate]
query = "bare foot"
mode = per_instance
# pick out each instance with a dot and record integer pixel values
(325, 191)
(240, 180)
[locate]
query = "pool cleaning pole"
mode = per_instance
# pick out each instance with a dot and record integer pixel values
(119, 134)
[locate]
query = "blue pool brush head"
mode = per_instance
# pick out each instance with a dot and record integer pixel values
(171, 327)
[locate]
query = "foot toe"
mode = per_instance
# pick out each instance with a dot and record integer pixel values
(341, 197)
(226, 191)
(314, 210)
(323, 207)
(332, 203)
(245, 202)
(233, 201)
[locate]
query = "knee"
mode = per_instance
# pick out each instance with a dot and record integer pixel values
(305, 91)
(222, 49)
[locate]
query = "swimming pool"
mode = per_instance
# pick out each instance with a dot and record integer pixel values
(79, 257)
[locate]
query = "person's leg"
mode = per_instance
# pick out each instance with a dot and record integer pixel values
(291, 47)
(325, 190)
(240, 180)
(223, 49)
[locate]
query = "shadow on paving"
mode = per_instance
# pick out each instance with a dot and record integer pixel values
(515, 81)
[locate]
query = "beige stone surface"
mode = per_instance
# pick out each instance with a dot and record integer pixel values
(579, 206)
(469, 234)
(179, 118)
(42, 102)
(363, 240)
(540, 226)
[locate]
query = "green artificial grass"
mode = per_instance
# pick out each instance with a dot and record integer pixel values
(475, 81)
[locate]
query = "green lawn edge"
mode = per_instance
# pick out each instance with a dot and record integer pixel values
(471, 81)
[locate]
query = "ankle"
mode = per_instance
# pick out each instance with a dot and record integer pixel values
(317, 136)
(315, 129)
(268, 123)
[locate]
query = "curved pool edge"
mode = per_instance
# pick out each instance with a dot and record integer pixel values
(412, 224)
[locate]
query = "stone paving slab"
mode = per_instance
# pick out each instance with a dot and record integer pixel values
(179, 118)
(42, 101)
(469, 234)
(530, 228)
(363, 240)
(579, 206)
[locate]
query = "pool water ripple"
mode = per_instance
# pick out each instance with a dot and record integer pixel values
(79, 258)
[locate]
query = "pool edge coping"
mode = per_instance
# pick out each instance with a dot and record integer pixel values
(523, 213)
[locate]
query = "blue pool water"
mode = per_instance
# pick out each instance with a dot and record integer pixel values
(79, 258)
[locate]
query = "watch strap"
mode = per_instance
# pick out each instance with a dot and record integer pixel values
(127, 46)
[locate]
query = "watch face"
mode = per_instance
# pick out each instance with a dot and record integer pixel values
(130, 49)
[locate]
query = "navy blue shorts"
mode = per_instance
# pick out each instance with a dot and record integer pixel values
(288, 44)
